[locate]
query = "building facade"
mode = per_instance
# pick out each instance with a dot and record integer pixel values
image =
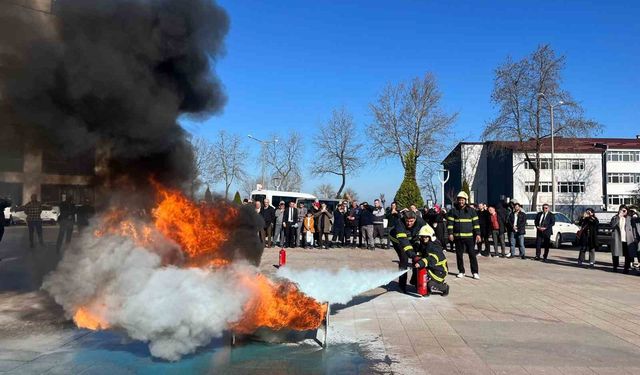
(601, 173)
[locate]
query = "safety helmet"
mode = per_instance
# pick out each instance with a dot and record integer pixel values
(462, 194)
(426, 230)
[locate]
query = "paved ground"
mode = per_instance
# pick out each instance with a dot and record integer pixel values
(522, 317)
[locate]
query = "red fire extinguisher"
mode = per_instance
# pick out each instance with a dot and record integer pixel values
(421, 284)
(283, 258)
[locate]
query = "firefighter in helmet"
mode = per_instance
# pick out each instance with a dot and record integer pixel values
(433, 258)
(463, 226)
(403, 237)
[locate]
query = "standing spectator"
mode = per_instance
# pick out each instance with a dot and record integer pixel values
(544, 223)
(497, 231)
(279, 237)
(258, 210)
(339, 219)
(33, 209)
(308, 227)
(503, 214)
(463, 228)
(436, 219)
(315, 208)
(378, 224)
(393, 215)
(517, 227)
(351, 227)
(485, 229)
(323, 223)
(268, 214)
(290, 222)
(66, 221)
(4, 203)
(84, 213)
(624, 238)
(302, 212)
(589, 229)
(366, 225)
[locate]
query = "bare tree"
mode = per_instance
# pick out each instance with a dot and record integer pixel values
(427, 182)
(522, 114)
(249, 184)
(350, 194)
(408, 116)
(324, 191)
(203, 164)
(229, 156)
(337, 148)
(283, 159)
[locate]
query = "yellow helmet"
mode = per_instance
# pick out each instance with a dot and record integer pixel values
(462, 194)
(426, 230)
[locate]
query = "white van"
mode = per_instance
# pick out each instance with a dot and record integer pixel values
(275, 196)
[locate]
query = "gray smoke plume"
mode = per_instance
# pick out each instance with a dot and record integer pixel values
(115, 74)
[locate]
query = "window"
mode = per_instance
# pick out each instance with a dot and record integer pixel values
(570, 187)
(618, 199)
(545, 163)
(623, 156)
(561, 218)
(543, 187)
(623, 178)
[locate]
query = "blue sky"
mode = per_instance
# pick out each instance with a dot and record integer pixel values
(289, 63)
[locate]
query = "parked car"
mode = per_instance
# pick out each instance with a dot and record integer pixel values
(564, 231)
(605, 231)
(50, 214)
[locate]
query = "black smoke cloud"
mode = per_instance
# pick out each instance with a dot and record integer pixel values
(113, 73)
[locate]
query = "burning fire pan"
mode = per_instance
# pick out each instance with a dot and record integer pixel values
(319, 335)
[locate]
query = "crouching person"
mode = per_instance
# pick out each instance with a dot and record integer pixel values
(434, 260)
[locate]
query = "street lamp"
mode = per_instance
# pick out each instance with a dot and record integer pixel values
(553, 158)
(264, 144)
(443, 180)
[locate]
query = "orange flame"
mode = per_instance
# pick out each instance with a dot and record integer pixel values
(84, 318)
(277, 306)
(199, 229)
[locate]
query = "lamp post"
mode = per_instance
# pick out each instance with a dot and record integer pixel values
(264, 144)
(553, 159)
(443, 180)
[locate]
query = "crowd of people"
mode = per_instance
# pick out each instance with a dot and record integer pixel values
(465, 228)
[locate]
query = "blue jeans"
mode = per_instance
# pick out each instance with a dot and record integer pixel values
(513, 236)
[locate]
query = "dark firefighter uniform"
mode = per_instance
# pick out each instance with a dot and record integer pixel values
(464, 225)
(403, 239)
(435, 261)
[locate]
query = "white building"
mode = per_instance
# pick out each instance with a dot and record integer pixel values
(601, 173)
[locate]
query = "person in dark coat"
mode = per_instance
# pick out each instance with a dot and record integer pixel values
(589, 229)
(4, 203)
(323, 219)
(352, 224)
(84, 213)
(66, 221)
(516, 224)
(339, 220)
(366, 225)
(485, 229)
(268, 214)
(290, 223)
(544, 223)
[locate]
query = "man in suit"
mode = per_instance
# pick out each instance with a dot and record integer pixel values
(544, 229)
(290, 223)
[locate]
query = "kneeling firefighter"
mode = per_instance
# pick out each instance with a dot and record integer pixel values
(404, 236)
(432, 258)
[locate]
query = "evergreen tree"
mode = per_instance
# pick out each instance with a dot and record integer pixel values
(409, 192)
(236, 198)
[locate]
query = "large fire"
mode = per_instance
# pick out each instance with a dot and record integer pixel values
(201, 231)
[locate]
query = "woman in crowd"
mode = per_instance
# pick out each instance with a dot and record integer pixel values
(589, 229)
(625, 238)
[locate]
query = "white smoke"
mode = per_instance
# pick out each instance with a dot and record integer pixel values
(175, 309)
(337, 286)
